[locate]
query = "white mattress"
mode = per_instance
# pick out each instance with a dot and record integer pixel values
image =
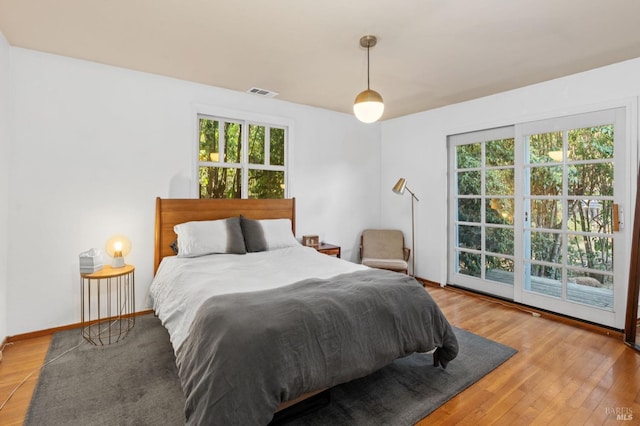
(181, 285)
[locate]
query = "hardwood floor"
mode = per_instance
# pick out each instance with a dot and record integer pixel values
(19, 360)
(562, 374)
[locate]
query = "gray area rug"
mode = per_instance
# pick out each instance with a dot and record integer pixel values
(135, 382)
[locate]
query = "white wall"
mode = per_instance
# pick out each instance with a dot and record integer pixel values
(94, 145)
(415, 147)
(5, 97)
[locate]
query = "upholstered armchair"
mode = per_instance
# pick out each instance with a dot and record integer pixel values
(384, 249)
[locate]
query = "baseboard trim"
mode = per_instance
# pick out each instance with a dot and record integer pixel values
(427, 282)
(50, 331)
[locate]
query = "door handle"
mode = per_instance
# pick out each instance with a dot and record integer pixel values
(618, 218)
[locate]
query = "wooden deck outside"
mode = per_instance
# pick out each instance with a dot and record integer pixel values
(591, 296)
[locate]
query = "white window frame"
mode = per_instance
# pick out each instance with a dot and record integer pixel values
(246, 119)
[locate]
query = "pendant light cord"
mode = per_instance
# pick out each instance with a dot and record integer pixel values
(368, 62)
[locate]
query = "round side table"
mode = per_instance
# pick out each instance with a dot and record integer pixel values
(108, 304)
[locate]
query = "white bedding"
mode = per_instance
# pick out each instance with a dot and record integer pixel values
(181, 285)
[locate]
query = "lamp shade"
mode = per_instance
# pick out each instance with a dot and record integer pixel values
(398, 188)
(118, 247)
(368, 106)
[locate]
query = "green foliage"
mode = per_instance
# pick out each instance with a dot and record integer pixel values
(469, 264)
(469, 156)
(220, 182)
(498, 210)
(586, 182)
(266, 184)
(256, 144)
(221, 175)
(500, 152)
(276, 146)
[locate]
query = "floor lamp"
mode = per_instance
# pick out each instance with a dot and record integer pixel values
(399, 188)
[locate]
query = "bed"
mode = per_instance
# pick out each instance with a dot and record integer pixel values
(256, 332)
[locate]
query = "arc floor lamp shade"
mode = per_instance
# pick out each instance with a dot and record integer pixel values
(368, 106)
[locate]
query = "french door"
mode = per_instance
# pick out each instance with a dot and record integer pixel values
(535, 213)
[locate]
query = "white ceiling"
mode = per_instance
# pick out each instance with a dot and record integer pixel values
(430, 53)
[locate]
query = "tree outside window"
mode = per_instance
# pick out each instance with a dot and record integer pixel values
(241, 159)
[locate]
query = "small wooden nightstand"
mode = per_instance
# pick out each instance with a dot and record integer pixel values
(329, 249)
(108, 304)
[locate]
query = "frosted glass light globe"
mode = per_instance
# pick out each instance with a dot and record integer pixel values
(368, 106)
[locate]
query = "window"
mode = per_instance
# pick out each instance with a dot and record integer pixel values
(241, 158)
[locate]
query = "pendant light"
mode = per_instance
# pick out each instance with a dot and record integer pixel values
(368, 106)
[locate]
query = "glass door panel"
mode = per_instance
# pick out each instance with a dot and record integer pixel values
(483, 221)
(568, 197)
(570, 251)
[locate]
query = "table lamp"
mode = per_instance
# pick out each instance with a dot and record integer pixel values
(118, 247)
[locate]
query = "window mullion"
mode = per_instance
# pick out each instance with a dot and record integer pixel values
(267, 145)
(483, 209)
(565, 211)
(244, 159)
(222, 141)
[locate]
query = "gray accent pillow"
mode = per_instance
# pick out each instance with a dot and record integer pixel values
(253, 235)
(235, 238)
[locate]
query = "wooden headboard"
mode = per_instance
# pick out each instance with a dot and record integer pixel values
(170, 212)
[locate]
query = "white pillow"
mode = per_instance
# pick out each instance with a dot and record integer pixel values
(267, 234)
(278, 233)
(211, 236)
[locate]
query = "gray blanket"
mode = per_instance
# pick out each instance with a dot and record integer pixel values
(248, 352)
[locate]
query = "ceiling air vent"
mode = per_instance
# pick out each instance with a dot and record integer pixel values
(262, 92)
